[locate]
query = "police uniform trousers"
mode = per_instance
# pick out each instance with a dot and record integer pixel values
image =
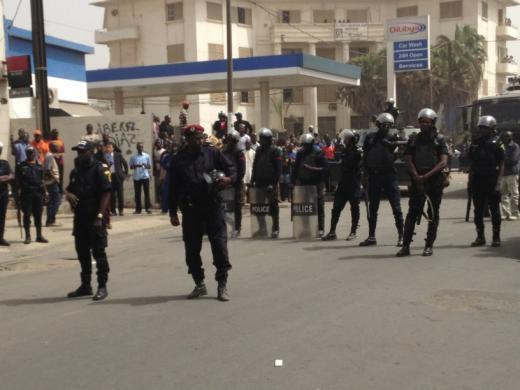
(91, 242)
(350, 193)
(321, 206)
(32, 204)
(433, 188)
(196, 221)
(4, 198)
(238, 206)
(387, 182)
(485, 195)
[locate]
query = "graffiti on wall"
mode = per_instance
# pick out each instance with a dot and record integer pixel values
(124, 134)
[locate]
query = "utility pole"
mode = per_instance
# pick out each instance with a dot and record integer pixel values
(450, 91)
(40, 68)
(229, 66)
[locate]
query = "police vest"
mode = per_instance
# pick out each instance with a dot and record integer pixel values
(483, 156)
(5, 170)
(305, 175)
(265, 161)
(425, 152)
(31, 176)
(379, 155)
(83, 184)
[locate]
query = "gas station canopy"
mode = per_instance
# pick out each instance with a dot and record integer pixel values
(252, 73)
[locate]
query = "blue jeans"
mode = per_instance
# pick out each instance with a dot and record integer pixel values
(54, 202)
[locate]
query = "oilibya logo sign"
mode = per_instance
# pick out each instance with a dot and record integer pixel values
(408, 28)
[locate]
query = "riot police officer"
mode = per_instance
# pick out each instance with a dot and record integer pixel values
(267, 169)
(88, 193)
(309, 170)
(6, 176)
(235, 154)
(197, 173)
(380, 174)
(486, 155)
(33, 194)
(349, 188)
(426, 156)
(392, 109)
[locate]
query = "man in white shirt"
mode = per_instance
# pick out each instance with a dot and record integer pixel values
(90, 136)
(141, 163)
(249, 154)
(243, 136)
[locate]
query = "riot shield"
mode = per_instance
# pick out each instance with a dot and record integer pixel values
(260, 211)
(305, 212)
(228, 203)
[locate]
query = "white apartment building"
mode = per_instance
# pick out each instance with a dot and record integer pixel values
(150, 32)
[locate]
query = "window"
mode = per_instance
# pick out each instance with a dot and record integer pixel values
(174, 11)
(294, 125)
(357, 16)
(326, 52)
(247, 97)
(290, 17)
(242, 15)
(356, 51)
(327, 124)
(215, 51)
(175, 53)
(293, 95)
(323, 16)
(214, 11)
(484, 10)
(244, 52)
(407, 11)
(327, 94)
(451, 9)
(500, 17)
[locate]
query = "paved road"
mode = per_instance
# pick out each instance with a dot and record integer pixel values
(340, 317)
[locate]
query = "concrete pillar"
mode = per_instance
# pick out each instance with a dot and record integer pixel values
(264, 104)
(277, 49)
(4, 108)
(119, 102)
(310, 98)
(343, 112)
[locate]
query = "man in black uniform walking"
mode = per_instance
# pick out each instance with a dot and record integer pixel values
(33, 194)
(236, 155)
(309, 170)
(197, 174)
(6, 176)
(349, 188)
(267, 169)
(88, 193)
(486, 154)
(378, 160)
(426, 156)
(241, 121)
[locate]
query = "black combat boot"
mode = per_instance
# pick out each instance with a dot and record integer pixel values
(496, 238)
(405, 251)
(28, 239)
(199, 291)
(84, 290)
(3, 242)
(222, 293)
(480, 240)
(400, 239)
(39, 236)
(428, 251)
(370, 241)
(352, 236)
(101, 294)
(330, 237)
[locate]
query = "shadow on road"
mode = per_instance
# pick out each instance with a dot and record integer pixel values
(144, 301)
(510, 249)
(39, 301)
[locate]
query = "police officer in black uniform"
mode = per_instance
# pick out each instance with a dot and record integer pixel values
(6, 176)
(197, 174)
(349, 188)
(241, 121)
(486, 154)
(33, 194)
(309, 170)
(379, 156)
(88, 193)
(392, 109)
(236, 155)
(267, 169)
(426, 156)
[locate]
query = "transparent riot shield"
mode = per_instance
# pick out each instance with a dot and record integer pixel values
(260, 211)
(305, 212)
(228, 203)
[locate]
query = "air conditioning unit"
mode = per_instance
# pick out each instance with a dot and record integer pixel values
(333, 106)
(54, 102)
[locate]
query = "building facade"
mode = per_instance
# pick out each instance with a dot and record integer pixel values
(149, 32)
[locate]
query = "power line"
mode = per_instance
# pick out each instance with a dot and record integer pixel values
(15, 14)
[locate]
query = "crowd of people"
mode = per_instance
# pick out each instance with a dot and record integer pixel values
(192, 169)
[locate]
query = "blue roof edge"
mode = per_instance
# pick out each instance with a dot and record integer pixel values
(21, 33)
(218, 66)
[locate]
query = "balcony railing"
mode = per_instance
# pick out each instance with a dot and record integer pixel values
(120, 34)
(507, 33)
(326, 32)
(507, 68)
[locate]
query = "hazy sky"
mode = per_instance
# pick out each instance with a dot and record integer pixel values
(76, 20)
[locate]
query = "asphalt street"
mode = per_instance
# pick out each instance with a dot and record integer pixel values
(339, 316)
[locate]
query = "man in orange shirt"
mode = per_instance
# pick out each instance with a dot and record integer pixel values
(40, 145)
